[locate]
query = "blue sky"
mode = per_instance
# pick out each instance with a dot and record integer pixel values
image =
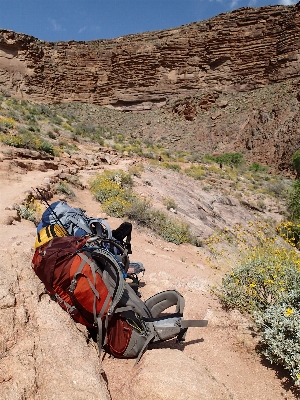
(63, 20)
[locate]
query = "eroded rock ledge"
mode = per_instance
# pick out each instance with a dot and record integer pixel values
(241, 50)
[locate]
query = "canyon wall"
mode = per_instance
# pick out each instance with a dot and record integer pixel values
(241, 50)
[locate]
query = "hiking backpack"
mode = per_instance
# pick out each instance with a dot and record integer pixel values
(87, 281)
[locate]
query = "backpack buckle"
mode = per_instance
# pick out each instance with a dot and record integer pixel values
(73, 285)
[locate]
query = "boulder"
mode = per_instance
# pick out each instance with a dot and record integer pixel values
(168, 374)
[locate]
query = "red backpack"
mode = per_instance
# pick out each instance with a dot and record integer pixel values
(87, 281)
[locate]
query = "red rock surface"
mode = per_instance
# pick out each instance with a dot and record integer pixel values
(241, 50)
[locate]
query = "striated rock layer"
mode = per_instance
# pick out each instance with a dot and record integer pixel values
(241, 50)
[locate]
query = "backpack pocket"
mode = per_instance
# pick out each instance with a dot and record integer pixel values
(126, 336)
(166, 327)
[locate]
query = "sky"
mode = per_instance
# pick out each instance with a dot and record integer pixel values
(84, 20)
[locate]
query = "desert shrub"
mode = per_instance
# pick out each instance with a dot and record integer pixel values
(276, 189)
(294, 201)
(140, 211)
(116, 206)
(97, 137)
(110, 184)
(6, 122)
(51, 135)
(29, 140)
(262, 279)
(27, 213)
(45, 110)
(257, 167)
(266, 286)
(31, 209)
(290, 232)
(64, 188)
(73, 180)
(113, 189)
(227, 158)
(150, 155)
(56, 119)
(67, 126)
(280, 328)
(196, 172)
(174, 167)
(11, 140)
(104, 189)
(30, 118)
(47, 147)
(136, 170)
(169, 203)
(169, 229)
(83, 129)
(261, 204)
(119, 138)
(66, 146)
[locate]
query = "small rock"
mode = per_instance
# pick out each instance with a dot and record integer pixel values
(150, 252)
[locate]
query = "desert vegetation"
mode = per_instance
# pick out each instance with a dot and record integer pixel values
(263, 257)
(113, 189)
(265, 285)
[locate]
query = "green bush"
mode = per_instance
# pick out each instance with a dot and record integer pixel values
(30, 209)
(113, 189)
(256, 167)
(11, 140)
(136, 170)
(51, 135)
(170, 230)
(47, 147)
(262, 279)
(174, 167)
(27, 213)
(294, 201)
(196, 172)
(30, 141)
(64, 188)
(169, 203)
(116, 206)
(280, 329)
(227, 158)
(111, 184)
(290, 232)
(266, 286)
(139, 211)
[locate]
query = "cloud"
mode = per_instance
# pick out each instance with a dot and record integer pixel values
(252, 3)
(234, 3)
(287, 2)
(55, 25)
(82, 29)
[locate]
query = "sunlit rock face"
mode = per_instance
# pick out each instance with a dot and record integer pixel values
(240, 50)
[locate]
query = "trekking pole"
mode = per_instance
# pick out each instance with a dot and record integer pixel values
(51, 209)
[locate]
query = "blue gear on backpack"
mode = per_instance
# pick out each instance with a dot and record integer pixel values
(74, 220)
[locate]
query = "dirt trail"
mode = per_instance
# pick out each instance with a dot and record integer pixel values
(225, 348)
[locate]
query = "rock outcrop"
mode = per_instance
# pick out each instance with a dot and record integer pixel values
(236, 51)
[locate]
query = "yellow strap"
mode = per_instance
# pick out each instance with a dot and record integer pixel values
(47, 233)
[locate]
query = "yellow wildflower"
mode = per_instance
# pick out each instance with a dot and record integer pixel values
(289, 311)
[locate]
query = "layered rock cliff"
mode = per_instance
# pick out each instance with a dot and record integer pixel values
(241, 50)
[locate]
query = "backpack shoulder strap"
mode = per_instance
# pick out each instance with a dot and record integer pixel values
(163, 300)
